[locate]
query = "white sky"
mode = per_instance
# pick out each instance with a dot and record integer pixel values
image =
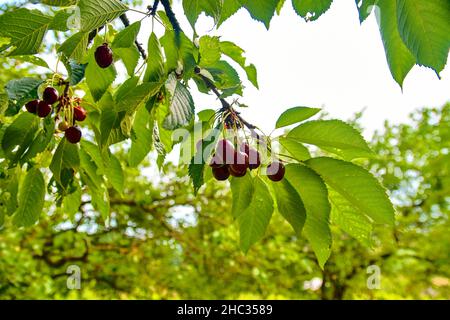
(334, 63)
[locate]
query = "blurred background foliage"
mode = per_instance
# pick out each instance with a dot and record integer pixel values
(162, 242)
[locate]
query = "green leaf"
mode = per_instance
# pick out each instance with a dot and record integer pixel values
(21, 91)
(289, 204)
(206, 115)
(141, 137)
(31, 199)
(295, 148)
(252, 75)
(181, 108)
(96, 154)
(41, 140)
(114, 173)
(95, 14)
(76, 71)
(155, 66)
(25, 28)
(237, 54)
(198, 161)
(19, 134)
(262, 11)
(356, 185)
(109, 120)
(75, 46)
(11, 203)
(331, 134)
(100, 201)
(242, 190)
(72, 201)
(90, 171)
(229, 8)
(226, 77)
(193, 8)
(131, 100)
(424, 26)
(314, 195)
(399, 58)
(210, 52)
(365, 8)
(60, 20)
(130, 58)
(59, 3)
(311, 10)
(37, 61)
(294, 115)
(98, 79)
(349, 219)
(127, 37)
(65, 157)
(253, 221)
(178, 51)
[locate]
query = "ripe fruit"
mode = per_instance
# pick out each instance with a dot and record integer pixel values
(104, 56)
(73, 134)
(221, 173)
(240, 164)
(254, 158)
(43, 109)
(63, 126)
(237, 173)
(216, 162)
(50, 95)
(32, 106)
(79, 113)
(225, 151)
(276, 171)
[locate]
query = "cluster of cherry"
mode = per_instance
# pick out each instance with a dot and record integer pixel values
(73, 111)
(228, 161)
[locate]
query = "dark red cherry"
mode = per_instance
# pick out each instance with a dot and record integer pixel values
(216, 162)
(104, 56)
(236, 173)
(79, 113)
(221, 173)
(276, 171)
(32, 106)
(254, 158)
(240, 164)
(50, 95)
(73, 134)
(225, 151)
(43, 109)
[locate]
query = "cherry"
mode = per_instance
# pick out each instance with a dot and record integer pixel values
(79, 113)
(236, 173)
(32, 106)
(43, 109)
(225, 151)
(73, 134)
(254, 158)
(240, 163)
(221, 173)
(63, 126)
(104, 56)
(276, 171)
(216, 162)
(50, 95)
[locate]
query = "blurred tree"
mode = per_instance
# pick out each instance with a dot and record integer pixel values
(162, 242)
